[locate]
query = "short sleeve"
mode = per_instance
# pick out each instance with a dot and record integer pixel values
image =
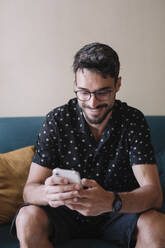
(141, 150)
(46, 153)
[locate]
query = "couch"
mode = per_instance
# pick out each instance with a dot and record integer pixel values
(18, 132)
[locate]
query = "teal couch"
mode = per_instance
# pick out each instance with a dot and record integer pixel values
(22, 131)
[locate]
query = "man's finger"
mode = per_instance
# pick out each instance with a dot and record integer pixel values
(61, 188)
(53, 180)
(55, 204)
(89, 183)
(62, 196)
(77, 201)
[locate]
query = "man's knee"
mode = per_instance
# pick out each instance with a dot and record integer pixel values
(31, 220)
(151, 228)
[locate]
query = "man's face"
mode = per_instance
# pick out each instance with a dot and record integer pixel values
(95, 110)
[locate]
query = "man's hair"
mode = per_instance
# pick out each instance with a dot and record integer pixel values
(99, 58)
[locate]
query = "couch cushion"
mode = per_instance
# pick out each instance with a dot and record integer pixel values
(14, 169)
(160, 158)
(162, 181)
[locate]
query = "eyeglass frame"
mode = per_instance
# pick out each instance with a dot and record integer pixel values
(94, 93)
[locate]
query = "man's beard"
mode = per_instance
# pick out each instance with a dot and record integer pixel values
(97, 121)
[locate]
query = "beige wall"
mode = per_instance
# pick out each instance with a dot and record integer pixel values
(39, 39)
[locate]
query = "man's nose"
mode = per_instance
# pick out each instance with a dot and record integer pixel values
(93, 102)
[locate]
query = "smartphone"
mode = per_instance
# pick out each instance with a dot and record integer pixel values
(72, 175)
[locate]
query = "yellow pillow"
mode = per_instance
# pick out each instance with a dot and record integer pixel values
(14, 169)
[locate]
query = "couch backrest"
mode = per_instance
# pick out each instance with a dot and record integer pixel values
(16, 132)
(157, 128)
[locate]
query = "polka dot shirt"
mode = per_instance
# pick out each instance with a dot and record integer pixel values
(65, 141)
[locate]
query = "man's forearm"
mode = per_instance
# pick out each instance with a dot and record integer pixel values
(35, 193)
(141, 199)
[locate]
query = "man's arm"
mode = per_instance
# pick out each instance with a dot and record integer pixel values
(44, 189)
(148, 195)
(34, 190)
(95, 200)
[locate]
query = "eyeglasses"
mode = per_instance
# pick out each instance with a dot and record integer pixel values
(101, 95)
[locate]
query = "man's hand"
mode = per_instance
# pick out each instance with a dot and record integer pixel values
(92, 201)
(58, 190)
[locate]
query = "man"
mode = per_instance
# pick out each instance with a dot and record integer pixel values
(108, 142)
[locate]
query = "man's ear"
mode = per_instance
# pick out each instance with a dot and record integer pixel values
(74, 84)
(75, 80)
(118, 84)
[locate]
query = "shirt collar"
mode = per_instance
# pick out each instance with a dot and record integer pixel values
(83, 126)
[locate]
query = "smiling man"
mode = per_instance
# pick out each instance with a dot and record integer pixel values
(96, 104)
(108, 142)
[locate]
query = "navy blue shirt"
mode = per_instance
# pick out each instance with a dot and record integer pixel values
(65, 141)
